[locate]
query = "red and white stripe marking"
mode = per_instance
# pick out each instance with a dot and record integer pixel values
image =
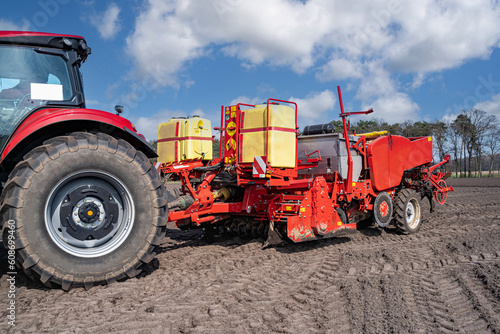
(259, 167)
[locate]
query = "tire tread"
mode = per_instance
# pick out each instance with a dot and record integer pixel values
(12, 199)
(400, 202)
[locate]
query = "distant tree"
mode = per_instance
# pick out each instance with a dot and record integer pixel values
(482, 123)
(394, 129)
(454, 135)
(154, 143)
(407, 129)
(363, 126)
(216, 148)
(439, 132)
(421, 129)
(337, 124)
(492, 143)
(463, 126)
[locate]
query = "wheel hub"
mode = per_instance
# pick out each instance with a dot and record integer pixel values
(410, 212)
(384, 209)
(88, 212)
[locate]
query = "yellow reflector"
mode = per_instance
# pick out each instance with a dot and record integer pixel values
(302, 209)
(231, 128)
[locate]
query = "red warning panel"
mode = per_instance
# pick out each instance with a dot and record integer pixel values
(230, 134)
(259, 167)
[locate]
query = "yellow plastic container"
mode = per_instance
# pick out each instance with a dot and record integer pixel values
(197, 141)
(169, 143)
(185, 139)
(282, 135)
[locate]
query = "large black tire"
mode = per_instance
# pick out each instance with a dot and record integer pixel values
(88, 208)
(407, 211)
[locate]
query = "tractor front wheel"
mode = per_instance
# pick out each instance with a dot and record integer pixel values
(88, 209)
(407, 212)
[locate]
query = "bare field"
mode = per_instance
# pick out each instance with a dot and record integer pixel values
(445, 278)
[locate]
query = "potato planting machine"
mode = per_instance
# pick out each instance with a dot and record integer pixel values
(272, 181)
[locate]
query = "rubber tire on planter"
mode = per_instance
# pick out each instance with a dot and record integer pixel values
(382, 209)
(407, 211)
(342, 215)
(121, 182)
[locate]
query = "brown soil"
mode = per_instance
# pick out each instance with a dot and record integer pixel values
(445, 278)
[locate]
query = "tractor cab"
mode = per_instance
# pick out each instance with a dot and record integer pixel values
(36, 71)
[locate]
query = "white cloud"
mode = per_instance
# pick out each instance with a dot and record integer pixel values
(370, 41)
(414, 36)
(418, 80)
(9, 25)
(438, 35)
(394, 108)
(247, 100)
(491, 106)
(148, 126)
(311, 109)
(449, 118)
(380, 92)
(169, 34)
(340, 69)
(377, 82)
(107, 23)
(314, 107)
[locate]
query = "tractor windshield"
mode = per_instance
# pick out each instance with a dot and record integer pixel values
(29, 78)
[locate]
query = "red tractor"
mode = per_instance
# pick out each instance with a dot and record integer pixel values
(80, 202)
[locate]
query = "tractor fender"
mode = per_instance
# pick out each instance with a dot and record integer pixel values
(51, 122)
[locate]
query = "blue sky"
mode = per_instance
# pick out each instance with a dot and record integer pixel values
(410, 60)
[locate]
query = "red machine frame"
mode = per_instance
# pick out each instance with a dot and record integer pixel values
(308, 208)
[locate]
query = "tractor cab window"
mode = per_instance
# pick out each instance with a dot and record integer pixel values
(29, 79)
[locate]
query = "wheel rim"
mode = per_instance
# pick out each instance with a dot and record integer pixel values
(441, 196)
(89, 214)
(413, 213)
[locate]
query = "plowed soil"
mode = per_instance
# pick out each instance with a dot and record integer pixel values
(445, 278)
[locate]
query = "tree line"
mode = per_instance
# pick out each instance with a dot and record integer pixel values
(472, 139)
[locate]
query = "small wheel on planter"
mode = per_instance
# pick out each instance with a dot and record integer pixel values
(407, 211)
(89, 209)
(342, 215)
(382, 209)
(441, 197)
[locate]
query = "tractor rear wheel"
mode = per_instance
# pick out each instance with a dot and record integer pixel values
(88, 209)
(407, 212)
